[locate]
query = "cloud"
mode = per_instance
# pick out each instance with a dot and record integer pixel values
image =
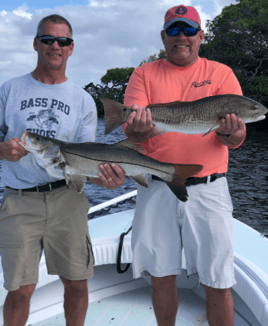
(220, 4)
(107, 34)
(23, 12)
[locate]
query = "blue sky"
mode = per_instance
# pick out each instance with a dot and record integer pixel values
(107, 33)
(35, 4)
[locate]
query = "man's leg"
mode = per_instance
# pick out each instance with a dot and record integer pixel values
(165, 299)
(220, 307)
(17, 306)
(75, 301)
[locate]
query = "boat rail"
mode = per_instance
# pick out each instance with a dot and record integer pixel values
(113, 203)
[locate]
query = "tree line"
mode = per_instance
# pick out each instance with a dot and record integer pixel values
(238, 37)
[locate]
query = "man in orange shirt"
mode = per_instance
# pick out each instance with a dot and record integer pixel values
(162, 224)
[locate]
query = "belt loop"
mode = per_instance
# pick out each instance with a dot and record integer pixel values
(208, 178)
(37, 189)
(50, 187)
(20, 193)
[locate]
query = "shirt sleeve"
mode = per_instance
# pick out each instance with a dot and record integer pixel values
(88, 126)
(136, 92)
(229, 83)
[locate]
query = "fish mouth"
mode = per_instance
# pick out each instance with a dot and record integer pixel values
(24, 135)
(262, 117)
(28, 141)
(254, 119)
(23, 141)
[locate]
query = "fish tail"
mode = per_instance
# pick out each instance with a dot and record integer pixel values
(182, 172)
(115, 114)
(187, 170)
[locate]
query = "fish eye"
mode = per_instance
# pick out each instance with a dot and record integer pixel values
(125, 109)
(37, 138)
(254, 108)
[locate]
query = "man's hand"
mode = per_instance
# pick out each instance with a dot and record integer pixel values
(112, 176)
(140, 126)
(233, 126)
(140, 120)
(11, 150)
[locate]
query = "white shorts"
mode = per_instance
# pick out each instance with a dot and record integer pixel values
(203, 226)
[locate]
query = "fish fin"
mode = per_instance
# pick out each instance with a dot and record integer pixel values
(115, 114)
(77, 181)
(215, 127)
(182, 172)
(179, 190)
(140, 179)
(132, 145)
(62, 166)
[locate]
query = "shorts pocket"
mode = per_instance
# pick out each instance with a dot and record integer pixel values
(11, 245)
(91, 258)
(81, 200)
(5, 200)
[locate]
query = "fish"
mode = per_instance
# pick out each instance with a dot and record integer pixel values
(80, 160)
(197, 117)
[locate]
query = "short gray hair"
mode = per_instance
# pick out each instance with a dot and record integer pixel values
(56, 19)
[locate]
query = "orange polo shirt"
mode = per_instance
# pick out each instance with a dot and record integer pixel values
(161, 82)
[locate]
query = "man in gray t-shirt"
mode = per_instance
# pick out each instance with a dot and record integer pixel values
(38, 210)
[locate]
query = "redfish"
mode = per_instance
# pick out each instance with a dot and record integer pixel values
(198, 117)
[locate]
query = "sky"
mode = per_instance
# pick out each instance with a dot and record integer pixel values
(107, 33)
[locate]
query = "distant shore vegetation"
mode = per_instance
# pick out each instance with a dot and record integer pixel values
(238, 37)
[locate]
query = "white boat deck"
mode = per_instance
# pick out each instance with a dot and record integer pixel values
(134, 308)
(125, 302)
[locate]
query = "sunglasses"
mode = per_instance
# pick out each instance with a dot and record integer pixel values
(49, 40)
(187, 31)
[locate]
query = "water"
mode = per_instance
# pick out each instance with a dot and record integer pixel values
(247, 179)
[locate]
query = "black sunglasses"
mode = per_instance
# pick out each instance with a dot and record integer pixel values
(49, 40)
(187, 31)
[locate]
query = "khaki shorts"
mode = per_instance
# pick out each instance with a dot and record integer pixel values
(55, 221)
(203, 226)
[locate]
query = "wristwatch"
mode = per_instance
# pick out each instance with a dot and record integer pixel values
(223, 135)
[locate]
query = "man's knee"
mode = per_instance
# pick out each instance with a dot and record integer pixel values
(24, 292)
(77, 286)
(163, 283)
(217, 292)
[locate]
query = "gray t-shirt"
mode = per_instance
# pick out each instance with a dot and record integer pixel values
(61, 111)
